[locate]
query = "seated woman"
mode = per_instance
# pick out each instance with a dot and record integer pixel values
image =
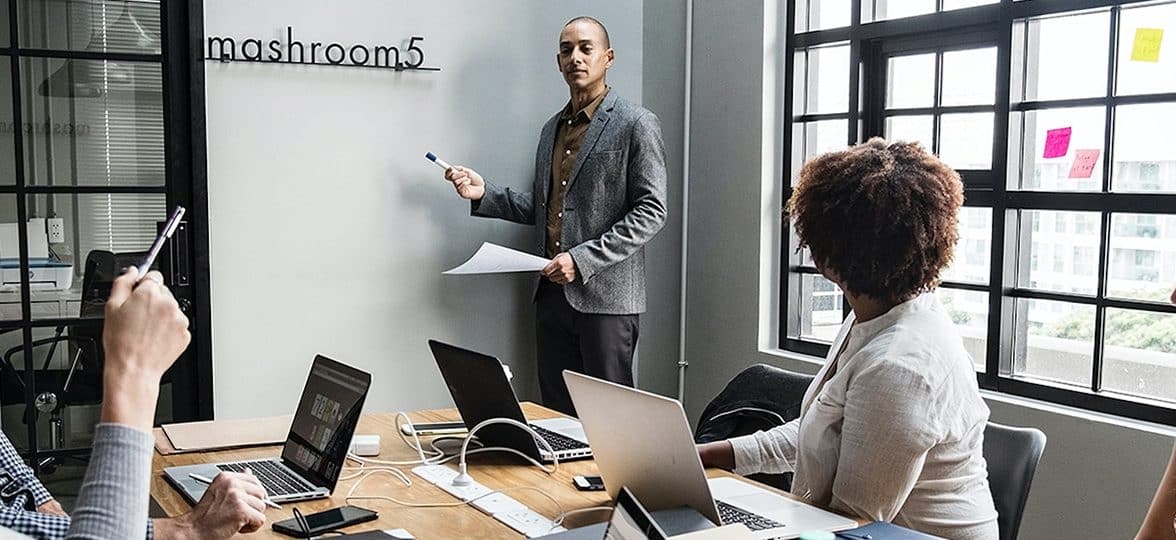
(892, 427)
(1160, 523)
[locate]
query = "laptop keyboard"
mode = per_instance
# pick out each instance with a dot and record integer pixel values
(275, 478)
(729, 514)
(558, 442)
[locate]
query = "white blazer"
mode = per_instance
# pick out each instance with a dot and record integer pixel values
(891, 429)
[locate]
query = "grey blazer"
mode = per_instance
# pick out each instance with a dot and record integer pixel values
(615, 203)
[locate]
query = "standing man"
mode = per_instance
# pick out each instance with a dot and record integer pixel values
(599, 195)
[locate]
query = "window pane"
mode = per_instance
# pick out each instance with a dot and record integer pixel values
(910, 128)
(1061, 57)
(1055, 341)
(821, 14)
(1138, 75)
(121, 226)
(1145, 160)
(94, 122)
(1142, 263)
(5, 41)
(799, 68)
(965, 140)
(820, 309)
(125, 26)
(959, 4)
(910, 81)
(969, 77)
(806, 257)
(827, 88)
(1065, 246)
(973, 252)
(1139, 355)
(815, 138)
(10, 308)
(1029, 133)
(897, 9)
(969, 312)
(7, 142)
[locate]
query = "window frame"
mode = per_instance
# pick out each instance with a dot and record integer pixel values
(993, 23)
(185, 261)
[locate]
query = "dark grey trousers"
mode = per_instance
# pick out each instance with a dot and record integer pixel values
(597, 345)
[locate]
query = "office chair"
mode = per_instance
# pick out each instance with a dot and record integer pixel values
(760, 397)
(1012, 454)
(55, 390)
(81, 383)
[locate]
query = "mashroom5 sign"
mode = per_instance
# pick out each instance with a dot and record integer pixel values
(406, 57)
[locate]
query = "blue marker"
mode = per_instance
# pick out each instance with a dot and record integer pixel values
(440, 162)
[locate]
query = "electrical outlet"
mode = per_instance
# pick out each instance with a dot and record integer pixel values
(55, 228)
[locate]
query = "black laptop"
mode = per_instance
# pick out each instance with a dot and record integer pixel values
(481, 391)
(315, 449)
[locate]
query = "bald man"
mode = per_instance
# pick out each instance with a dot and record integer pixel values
(598, 196)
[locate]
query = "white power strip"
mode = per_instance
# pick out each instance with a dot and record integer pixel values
(512, 513)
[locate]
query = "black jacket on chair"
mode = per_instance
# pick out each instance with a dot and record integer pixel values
(760, 397)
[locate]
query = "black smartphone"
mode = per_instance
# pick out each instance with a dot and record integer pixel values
(325, 521)
(588, 483)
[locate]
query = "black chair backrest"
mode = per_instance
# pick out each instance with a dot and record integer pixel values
(1012, 454)
(102, 267)
(758, 398)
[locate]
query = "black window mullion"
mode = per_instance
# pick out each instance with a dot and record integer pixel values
(875, 87)
(785, 299)
(937, 100)
(1054, 7)
(818, 117)
(855, 72)
(921, 111)
(30, 373)
(1130, 99)
(1112, 76)
(1000, 309)
(87, 55)
(1100, 311)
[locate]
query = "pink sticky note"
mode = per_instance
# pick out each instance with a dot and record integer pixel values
(1057, 142)
(1084, 161)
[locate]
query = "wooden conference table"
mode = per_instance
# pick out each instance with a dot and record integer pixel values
(491, 470)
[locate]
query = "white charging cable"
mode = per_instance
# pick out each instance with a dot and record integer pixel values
(463, 478)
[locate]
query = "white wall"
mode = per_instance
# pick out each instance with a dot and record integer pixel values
(1098, 474)
(328, 228)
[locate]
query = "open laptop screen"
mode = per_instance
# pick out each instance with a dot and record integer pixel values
(325, 421)
(630, 521)
(481, 391)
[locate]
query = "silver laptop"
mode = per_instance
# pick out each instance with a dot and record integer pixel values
(630, 521)
(315, 449)
(643, 442)
(481, 391)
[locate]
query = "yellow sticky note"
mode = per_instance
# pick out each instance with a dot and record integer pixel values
(1147, 44)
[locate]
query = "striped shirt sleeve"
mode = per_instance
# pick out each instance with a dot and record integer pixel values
(114, 496)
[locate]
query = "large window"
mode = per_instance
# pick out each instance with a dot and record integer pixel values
(1052, 112)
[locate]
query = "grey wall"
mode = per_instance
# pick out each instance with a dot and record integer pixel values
(329, 230)
(1098, 474)
(663, 92)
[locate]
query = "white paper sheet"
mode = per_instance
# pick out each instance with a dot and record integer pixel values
(495, 259)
